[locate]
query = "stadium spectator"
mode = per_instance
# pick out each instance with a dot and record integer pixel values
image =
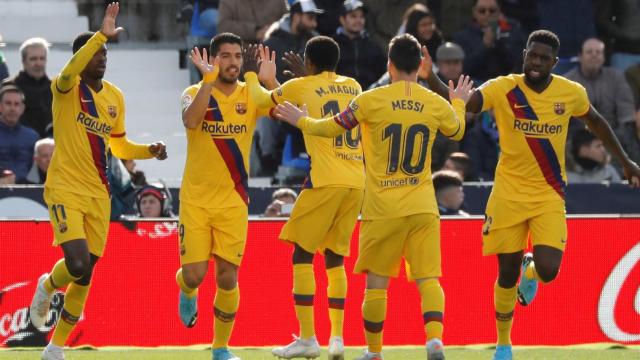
(417, 6)
(329, 22)
(385, 17)
(606, 87)
(16, 140)
(122, 189)
(492, 43)
(449, 192)
(619, 22)
(153, 201)
(36, 86)
(573, 22)
(42, 152)
(481, 144)
(202, 17)
(449, 60)
(422, 25)
(591, 160)
(4, 69)
(249, 19)
(632, 74)
(137, 176)
(629, 135)
(282, 201)
(460, 163)
(360, 57)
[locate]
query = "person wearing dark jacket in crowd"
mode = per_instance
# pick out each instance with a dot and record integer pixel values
(422, 25)
(36, 86)
(360, 57)
(16, 141)
(481, 144)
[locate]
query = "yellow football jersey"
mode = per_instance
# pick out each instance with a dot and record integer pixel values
(335, 162)
(399, 123)
(216, 170)
(86, 124)
(533, 130)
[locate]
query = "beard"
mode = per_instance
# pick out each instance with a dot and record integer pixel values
(229, 79)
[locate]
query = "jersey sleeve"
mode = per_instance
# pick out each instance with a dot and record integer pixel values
(582, 104)
(488, 92)
(334, 125)
(66, 80)
(452, 119)
(288, 92)
(187, 97)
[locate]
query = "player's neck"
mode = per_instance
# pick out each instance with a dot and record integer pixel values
(225, 87)
(540, 86)
(402, 76)
(94, 84)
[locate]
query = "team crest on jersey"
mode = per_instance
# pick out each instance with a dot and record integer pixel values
(241, 108)
(112, 110)
(279, 91)
(558, 108)
(62, 227)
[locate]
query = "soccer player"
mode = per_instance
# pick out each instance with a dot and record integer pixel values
(88, 118)
(399, 214)
(220, 119)
(326, 212)
(528, 197)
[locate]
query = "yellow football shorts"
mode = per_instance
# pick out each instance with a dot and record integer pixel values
(206, 232)
(75, 216)
(384, 242)
(324, 218)
(509, 225)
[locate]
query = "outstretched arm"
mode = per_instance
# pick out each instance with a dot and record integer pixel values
(262, 71)
(80, 59)
(193, 114)
(331, 126)
(436, 85)
(600, 127)
(124, 148)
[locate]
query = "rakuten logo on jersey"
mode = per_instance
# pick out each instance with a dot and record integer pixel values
(16, 328)
(619, 305)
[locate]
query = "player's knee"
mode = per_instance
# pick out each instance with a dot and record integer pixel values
(78, 267)
(227, 278)
(301, 256)
(332, 259)
(193, 278)
(547, 272)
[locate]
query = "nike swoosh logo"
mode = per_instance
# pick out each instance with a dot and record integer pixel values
(518, 106)
(214, 108)
(86, 101)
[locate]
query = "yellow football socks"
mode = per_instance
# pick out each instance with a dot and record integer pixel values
(432, 307)
(189, 292)
(59, 277)
(505, 303)
(225, 306)
(74, 300)
(304, 287)
(374, 311)
(336, 292)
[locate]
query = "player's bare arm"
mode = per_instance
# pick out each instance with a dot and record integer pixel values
(600, 127)
(108, 27)
(267, 67)
(463, 90)
(474, 103)
(193, 114)
(295, 64)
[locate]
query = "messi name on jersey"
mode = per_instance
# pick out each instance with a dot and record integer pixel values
(219, 128)
(407, 105)
(93, 125)
(533, 127)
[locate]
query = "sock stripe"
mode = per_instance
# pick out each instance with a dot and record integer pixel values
(68, 318)
(336, 303)
(53, 285)
(504, 316)
(373, 327)
(430, 316)
(303, 300)
(223, 316)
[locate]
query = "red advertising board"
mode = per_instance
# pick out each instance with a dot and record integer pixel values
(133, 299)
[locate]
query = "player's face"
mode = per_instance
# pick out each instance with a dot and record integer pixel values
(539, 60)
(150, 206)
(230, 62)
(35, 61)
(353, 22)
(11, 108)
(96, 68)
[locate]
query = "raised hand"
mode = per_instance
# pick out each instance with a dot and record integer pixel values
(426, 65)
(250, 58)
(463, 90)
(295, 64)
(159, 150)
(289, 113)
(632, 174)
(201, 62)
(108, 28)
(267, 65)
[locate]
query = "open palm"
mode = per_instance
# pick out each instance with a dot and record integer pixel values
(201, 62)
(109, 28)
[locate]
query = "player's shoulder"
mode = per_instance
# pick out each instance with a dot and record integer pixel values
(563, 82)
(504, 81)
(111, 87)
(191, 90)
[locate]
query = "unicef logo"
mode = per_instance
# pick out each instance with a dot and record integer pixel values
(610, 294)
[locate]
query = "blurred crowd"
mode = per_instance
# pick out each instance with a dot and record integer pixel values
(600, 49)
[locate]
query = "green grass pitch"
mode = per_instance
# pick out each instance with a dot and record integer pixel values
(583, 352)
